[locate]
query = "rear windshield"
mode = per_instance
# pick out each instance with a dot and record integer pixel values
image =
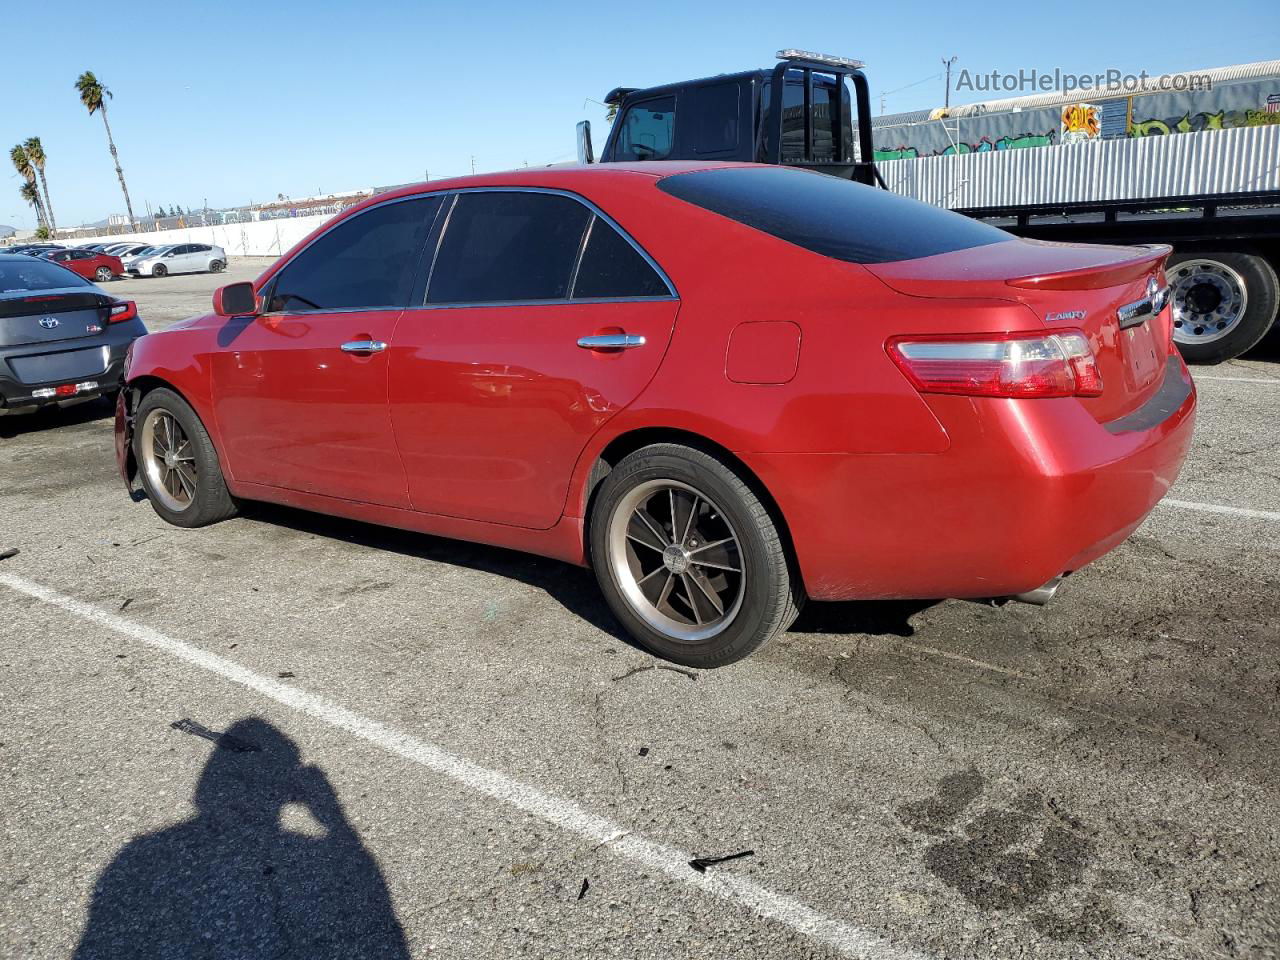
(834, 217)
(18, 274)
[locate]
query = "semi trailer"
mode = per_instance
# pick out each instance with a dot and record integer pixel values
(1206, 182)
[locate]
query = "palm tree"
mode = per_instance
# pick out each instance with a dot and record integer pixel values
(35, 155)
(22, 163)
(94, 96)
(32, 196)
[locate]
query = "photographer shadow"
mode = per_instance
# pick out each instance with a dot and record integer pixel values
(268, 867)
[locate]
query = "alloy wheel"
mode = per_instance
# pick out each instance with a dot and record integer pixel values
(168, 460)
(677, 559)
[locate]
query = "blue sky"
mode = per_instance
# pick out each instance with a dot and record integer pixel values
(233, 102)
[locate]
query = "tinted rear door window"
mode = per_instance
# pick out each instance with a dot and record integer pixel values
(831, 216)
(611, 268)
(504, 246)
(365, 262)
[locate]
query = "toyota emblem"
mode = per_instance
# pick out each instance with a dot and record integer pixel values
(49, 322)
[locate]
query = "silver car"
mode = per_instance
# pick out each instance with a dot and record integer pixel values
(178, 258)
(127, 260)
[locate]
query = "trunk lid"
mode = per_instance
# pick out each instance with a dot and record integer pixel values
(52, 316)
(1106, 291)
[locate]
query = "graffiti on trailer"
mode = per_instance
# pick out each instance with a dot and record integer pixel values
(983, 145)
(1194, 123)
(1019, 142)
(1080, 121)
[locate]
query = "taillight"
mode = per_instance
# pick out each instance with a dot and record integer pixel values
(122, 311)
(1060, 364)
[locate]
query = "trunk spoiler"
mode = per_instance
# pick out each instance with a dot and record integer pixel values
(1098, 277)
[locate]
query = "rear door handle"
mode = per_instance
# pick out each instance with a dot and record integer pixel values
(363, 346)
(611, 341)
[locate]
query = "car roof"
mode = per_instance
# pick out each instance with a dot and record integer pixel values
(566, 176)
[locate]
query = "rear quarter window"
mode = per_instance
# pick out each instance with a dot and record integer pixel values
(834, 217)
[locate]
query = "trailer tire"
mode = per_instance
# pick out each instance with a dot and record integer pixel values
(1223, 303)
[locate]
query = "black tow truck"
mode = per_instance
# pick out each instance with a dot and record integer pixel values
(1226, 246)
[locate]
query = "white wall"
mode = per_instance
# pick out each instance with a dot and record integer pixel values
(262, 238)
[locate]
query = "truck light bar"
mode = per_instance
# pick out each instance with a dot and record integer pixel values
(845, 62)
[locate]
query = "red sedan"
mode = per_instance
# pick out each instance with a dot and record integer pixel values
(90, 264)
(728, 388)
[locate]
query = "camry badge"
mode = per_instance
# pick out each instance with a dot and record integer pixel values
(1064, 315)
(49, 322)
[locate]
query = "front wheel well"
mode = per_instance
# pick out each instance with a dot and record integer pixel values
(628, 443)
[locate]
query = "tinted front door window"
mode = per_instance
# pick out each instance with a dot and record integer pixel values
(365, 262)
(508, 246)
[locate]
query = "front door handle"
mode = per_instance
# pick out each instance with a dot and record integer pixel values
(363, 346)
(611, 341)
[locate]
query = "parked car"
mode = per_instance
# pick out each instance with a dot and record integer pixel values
(95, 247)
(180, 258)
(89, 264)
(119, 249)
(62, 339)
(858, 396)
(35, 249)
(143, 251)
(126, 251)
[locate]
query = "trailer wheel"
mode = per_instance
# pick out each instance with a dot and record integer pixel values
(1223, 303)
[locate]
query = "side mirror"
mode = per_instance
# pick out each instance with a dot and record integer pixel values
(235, 300)
(586, 154)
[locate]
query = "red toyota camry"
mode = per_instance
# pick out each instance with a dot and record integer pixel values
(726, 387)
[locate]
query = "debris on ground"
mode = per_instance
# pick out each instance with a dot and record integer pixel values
(226, 741)
(701, 863)
(644, 751)
(585, 887)
(11, 552)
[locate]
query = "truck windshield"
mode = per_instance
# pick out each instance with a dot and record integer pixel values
(829, 215)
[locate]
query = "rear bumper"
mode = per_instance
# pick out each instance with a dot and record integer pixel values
(18, 395)
(1027, 490)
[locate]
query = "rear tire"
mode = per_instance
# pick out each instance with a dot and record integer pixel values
(103, 274)
(177, 463)
(217, 266)
(159, 270)
(1223, 303)
(689, 558)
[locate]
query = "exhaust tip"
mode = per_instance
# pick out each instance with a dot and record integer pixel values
(1040, 595)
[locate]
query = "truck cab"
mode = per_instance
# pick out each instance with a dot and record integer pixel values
(824, 122)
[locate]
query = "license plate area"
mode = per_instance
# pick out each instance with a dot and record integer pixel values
(1140, 352)
(64, 366)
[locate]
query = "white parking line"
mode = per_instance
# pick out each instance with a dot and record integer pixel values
(1198, 377)
(1217, 508)
(849, 940)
